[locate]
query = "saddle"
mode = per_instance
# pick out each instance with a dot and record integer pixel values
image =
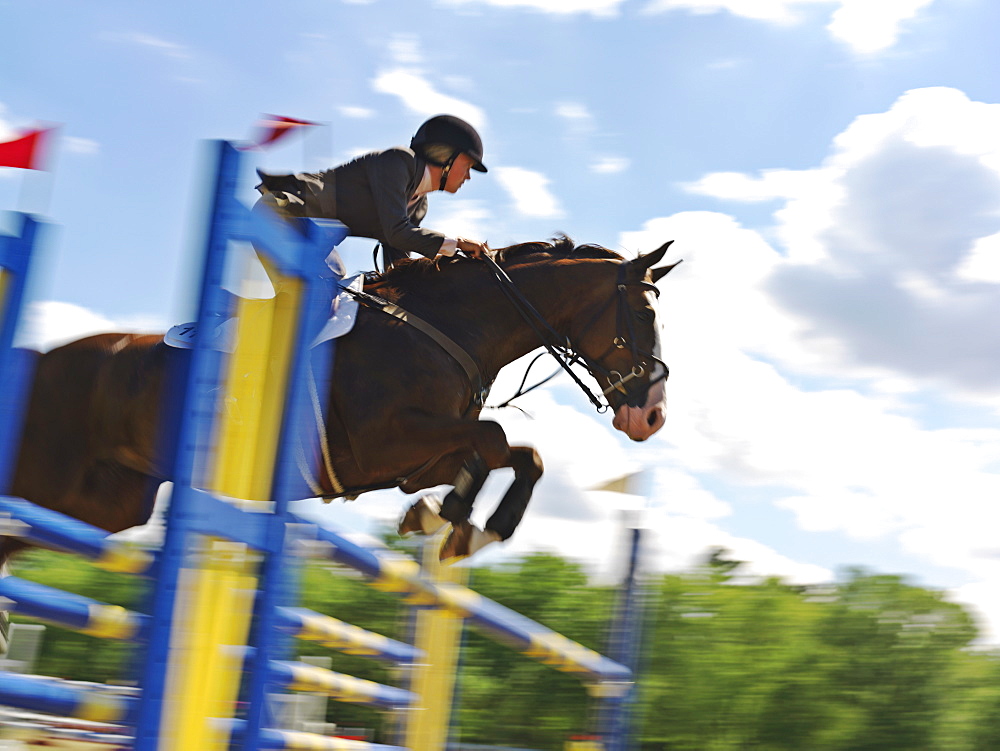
(222, 333)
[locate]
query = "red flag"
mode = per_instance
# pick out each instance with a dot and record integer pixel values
(273, 127)
(24, 152)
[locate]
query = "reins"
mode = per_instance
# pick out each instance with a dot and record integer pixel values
(528, 312)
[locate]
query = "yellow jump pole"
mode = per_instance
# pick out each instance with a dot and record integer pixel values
(218, 593)
(438, 634)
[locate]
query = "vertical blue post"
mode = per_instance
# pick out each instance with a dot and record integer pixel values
(16, 365)
(194, 442)
(625, 646)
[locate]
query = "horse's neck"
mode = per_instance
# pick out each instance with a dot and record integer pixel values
(559, 295)
(471, 309)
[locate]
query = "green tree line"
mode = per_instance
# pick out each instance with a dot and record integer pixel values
(870, 662)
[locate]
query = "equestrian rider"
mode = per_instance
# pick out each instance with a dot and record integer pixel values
(383, 194)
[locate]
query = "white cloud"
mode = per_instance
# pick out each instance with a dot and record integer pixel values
(75, 145)
(900, 220)
(868, 27)
(579, 120)
(529, 191)
(419, 95)
(573, 111)
(7, 130)
(913, 198)
(150, 42)
(598, 8)
(458, 217)
(609, 165)
(405, 49)
(356, 113)
(982, 597)
(47, 324)
(727, 63)
(771, 184)
(865, 26)
(982, 264)
(775, 11)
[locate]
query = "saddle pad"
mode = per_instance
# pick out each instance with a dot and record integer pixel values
(222, 335)
(344, 313)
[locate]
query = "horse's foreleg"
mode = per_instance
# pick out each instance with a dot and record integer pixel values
(457, 505)
(527, 465)
(465, 538)
(429, 514)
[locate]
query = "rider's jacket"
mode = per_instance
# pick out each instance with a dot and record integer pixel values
(373, 195)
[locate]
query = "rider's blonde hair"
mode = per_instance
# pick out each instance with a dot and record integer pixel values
(438, 153)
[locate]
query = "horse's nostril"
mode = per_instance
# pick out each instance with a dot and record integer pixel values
(653, 418)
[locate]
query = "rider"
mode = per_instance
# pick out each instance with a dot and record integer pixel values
(383, 194)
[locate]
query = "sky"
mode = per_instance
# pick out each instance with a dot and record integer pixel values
(829, 170)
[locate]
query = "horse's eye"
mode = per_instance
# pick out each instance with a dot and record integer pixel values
(644, 315)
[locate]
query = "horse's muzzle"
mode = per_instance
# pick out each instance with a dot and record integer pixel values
(639, 423)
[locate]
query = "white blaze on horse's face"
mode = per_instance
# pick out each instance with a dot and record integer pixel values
(639, 423)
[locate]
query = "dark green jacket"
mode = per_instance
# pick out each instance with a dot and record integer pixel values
(370, 195)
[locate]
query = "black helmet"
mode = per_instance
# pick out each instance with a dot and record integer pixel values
(451, 131)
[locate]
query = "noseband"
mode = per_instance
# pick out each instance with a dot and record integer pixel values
(566, 354)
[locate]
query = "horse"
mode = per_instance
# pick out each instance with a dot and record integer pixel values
(404, 402)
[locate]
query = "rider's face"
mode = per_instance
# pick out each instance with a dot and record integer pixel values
(460, 172)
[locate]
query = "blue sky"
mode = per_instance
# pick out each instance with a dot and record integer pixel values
(829, 170)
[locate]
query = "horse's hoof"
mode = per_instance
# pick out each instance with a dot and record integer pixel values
(465, 540)
(422, 517)
(456, 546)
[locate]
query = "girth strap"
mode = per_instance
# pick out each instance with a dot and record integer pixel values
(479, 390)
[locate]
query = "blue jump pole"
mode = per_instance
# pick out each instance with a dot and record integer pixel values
(70, 610)
(40, 694)
(50, 529)
(330, 632)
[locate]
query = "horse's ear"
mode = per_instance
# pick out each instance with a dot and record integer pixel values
(662, 271)
(649, 260)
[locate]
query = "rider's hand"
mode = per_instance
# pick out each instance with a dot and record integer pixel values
(472, 248)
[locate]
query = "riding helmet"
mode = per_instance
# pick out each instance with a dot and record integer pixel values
(452, 131)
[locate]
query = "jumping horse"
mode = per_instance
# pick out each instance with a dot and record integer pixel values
(405, 400)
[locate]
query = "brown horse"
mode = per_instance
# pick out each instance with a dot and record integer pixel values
(403, 411)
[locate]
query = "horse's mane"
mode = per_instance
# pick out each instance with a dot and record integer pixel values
(417, 270)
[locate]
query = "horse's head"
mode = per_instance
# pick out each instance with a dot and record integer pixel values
(622, 348)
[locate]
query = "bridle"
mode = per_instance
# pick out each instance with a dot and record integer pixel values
(566, 354)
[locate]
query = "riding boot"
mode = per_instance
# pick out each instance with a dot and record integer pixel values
(457, 505)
